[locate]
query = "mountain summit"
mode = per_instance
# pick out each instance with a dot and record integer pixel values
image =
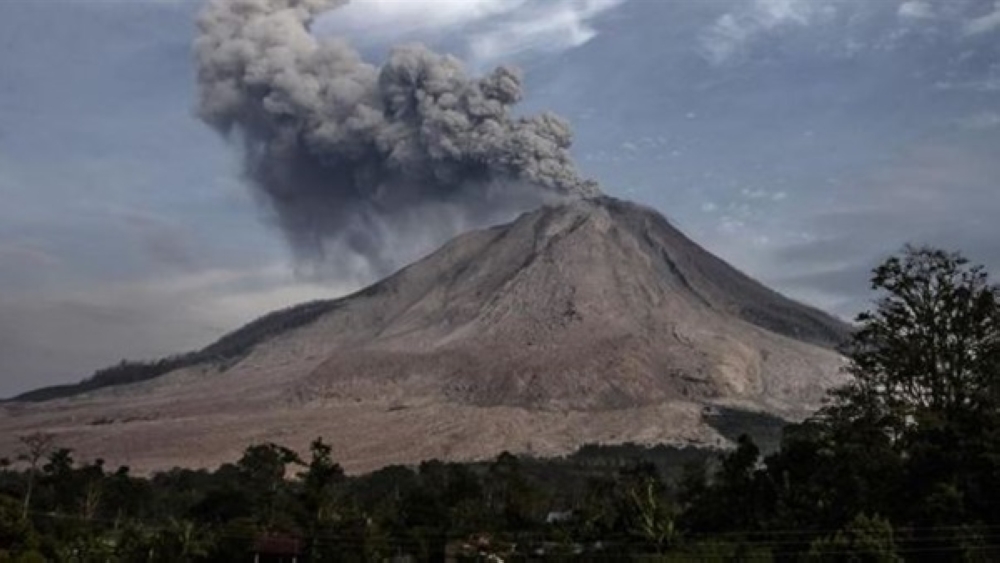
(592, 321)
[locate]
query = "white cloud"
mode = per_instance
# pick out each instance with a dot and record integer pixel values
(985, 84)
(750, 193)
(731, 225)
(46, 339)
(915, 10)
(492, 30)
(984, 24)
(982, 120)
(398, 17)
(733, 32)
(761, 194)
(553, 26)
(217, 299)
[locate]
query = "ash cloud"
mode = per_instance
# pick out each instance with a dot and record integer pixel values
(360, 160)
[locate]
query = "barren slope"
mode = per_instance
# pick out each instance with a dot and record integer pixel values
(591, 321)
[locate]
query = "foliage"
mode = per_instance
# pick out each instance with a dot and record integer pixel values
(17, 534)
(914, 437)
(903, 463)
(930, 351)
(864, 539)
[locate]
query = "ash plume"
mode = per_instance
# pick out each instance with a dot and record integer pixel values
(364, 159)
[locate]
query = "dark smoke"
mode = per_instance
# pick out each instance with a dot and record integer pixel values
(370, 160)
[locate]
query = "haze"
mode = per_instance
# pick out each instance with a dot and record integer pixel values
(801, 140)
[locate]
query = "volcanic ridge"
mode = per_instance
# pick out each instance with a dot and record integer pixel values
(594, 321)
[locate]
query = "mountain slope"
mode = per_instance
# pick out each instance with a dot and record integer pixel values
(590, 321)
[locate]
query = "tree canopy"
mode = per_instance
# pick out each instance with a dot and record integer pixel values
(902, 464)
(931, 347)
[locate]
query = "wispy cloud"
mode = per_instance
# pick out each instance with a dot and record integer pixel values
(552, 26)
(932, 194)
(733, 32)
(984, 24)
(46, 339)
(162, 241)
(980, 121)
(488, 31)
(100, 113)
(916, 10)
(393, 18)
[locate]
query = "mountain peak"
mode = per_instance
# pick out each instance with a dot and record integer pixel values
(589, 321)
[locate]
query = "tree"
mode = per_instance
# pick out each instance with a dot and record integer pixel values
(318, 482)
(36, 446)
(181, 540)
(60, 480)
(16, 532)
(509, 493)
(91, 478)
(863, 540)
(733, 499)
(648, 511)
(262, 474)
(916, 433)
(931, 348)
(318, 496)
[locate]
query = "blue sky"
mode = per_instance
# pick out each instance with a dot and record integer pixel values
(802, 140)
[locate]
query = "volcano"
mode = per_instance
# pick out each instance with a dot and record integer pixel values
(594, 321)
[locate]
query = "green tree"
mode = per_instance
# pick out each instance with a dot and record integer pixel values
(510, 495)
(181, 541)
(91, 483)
(734, 499)
(262, 472)
(319, 482)
(35, 447)
(318, 498)
(915, 435)
(863, 540)
(931, 348)
(125, 496)
(16, 532)
(59, 480)
(648, 512)
(926, 375)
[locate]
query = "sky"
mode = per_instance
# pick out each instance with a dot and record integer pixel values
(801, 140)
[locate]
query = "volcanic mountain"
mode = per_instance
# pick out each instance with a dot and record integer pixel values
(592, 321)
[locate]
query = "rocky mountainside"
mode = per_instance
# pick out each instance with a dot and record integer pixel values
(594, 321)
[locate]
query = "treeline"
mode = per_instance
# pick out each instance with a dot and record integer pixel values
(589, 502)
(902, 464)
(224, 352)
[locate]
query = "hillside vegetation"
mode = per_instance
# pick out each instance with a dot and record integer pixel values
(901, 465)
(222, 352)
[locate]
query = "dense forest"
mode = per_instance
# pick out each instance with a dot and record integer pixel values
(902, 464)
